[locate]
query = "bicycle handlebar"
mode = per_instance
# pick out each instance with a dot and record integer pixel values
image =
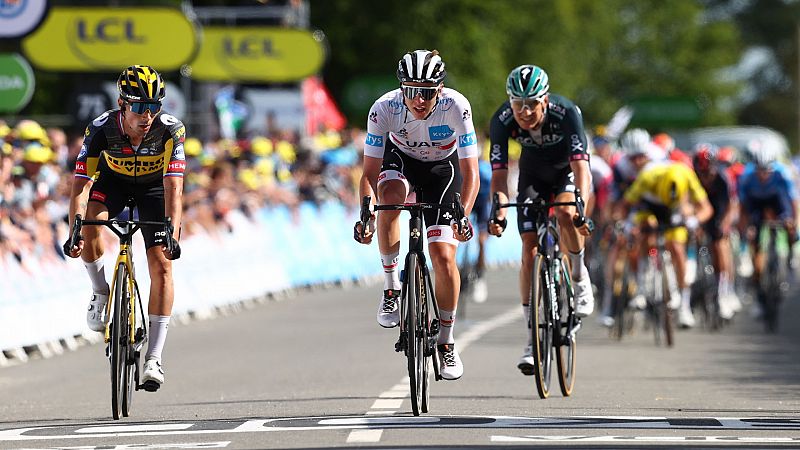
(75, 236)
(367, 209)
(540, 204)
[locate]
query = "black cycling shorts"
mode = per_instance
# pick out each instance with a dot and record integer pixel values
(530, 188)
(433, 181)
(149, 198)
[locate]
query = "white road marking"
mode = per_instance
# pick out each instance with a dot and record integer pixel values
(361, 436)
(591, 424)
(131, 428)
(400, 391)
(682, 439)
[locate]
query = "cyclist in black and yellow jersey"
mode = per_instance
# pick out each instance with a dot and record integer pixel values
(133, 151)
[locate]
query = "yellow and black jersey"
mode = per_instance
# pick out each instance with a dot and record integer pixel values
(106, 149)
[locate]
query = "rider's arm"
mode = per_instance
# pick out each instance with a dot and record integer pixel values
(368, 186)
(173, 172)
(470, 182)
(94, 142)
(498, 154)
(467, 145)
(583, 176)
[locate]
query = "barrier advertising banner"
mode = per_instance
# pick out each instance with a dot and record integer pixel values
(257, 54)
(86, 39)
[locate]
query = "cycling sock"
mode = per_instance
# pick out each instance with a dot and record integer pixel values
(97, 274)
(446, 319)
(724, 287)
(579, 270)
(686, 296)
(526, 309)
(158, 335)
(392, 277)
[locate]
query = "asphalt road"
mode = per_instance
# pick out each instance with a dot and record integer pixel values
(314, 370)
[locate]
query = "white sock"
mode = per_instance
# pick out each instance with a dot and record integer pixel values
(686, 298)
(447, 320)
(391, 276)
(97, 274)
(579, 270)
(724, 287)
(526, 309)
(158, 335)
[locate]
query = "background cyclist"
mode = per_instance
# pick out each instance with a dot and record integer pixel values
(553, 163)
(136, 150)
(421, 136)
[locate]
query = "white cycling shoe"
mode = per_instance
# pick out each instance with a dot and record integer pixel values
(389, 309)
(584, 297)
(685, 317)
(526, 362)
(95, 314)
(153, 376)
(450, 366)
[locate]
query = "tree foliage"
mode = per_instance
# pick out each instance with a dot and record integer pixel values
(600, 54)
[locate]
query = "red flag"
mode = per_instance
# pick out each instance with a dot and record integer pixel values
(321, 110)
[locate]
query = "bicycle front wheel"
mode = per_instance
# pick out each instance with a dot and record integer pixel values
(566, 354)
(541, 327)
(118, 345)
(416, 339)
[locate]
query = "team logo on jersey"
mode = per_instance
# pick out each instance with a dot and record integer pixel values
(373, 117)
(177, 152)
(465, 115)
(100, 120)
(505, 115)
(465, 140)
(440, 132)
(374, 140)
(396, 107)
(403, 133)
(577, 146)
(168, 119)
(82, 154)
(445, 104)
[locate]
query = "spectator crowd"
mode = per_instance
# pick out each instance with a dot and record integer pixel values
(223, 176)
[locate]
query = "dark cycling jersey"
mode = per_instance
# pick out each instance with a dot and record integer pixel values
(106, 149)
(547, 152)
(121, 171)
(544, 164)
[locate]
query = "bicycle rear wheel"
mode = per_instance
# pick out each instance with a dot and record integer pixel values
(416, 339)
(566, 354)
(117, 345)
(541, 327)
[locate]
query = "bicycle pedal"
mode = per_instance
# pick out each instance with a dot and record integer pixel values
(149, 386)
(400, 345)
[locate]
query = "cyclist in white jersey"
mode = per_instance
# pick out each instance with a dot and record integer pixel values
(421, 136)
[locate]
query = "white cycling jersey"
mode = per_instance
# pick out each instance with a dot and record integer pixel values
(446, 129)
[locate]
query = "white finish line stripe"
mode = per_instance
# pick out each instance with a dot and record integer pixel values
(364, 436)
(681, 439)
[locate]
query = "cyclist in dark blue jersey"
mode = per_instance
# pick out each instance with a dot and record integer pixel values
(554, 163)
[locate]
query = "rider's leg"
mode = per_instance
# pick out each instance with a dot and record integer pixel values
(162, 296)
(92, 254)
(447, 286)
(392, 191)
(570, 238)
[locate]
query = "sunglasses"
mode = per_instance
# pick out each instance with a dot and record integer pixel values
(141, 107)
(518, 104)
(427, 93)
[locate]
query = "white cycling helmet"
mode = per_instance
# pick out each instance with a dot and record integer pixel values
(635, 142)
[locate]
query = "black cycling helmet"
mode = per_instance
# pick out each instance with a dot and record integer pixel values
(421, 66)
(140, 84)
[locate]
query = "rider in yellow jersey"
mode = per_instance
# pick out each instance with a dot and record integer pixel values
(670, 193)
(134, 151)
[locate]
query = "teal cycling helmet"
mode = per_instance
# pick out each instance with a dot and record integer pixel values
(527, 81)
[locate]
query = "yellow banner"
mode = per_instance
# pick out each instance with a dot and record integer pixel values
(257, 54)
(86, 39)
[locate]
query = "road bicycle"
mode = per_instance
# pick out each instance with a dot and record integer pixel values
(773, 282)
(705, 288)
(126, 329)
(658, 281)
(419, 312)
(623, 286)
(553, 323)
